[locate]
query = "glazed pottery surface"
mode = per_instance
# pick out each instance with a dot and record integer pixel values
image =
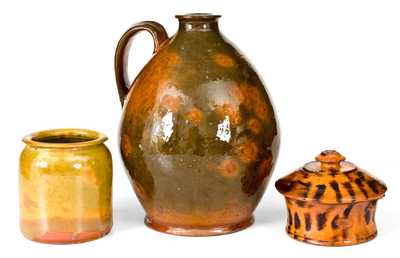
(331, 202)
(198, 134)
(65, 186)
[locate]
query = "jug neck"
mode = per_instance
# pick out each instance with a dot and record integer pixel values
(198, 22)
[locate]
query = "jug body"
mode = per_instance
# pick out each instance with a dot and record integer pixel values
(198, 135)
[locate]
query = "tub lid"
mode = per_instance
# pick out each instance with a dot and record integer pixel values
(331, 180)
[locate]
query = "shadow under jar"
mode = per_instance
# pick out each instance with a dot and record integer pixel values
(65, 186)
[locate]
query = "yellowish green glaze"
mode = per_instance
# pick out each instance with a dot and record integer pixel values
(65, 186)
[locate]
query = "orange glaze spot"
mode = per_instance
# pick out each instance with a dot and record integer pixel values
(251, 96)
(254, 125)
(171, 103)
(237, 92)
(223, 60)
(195, 115)
(261, 110)
(231, 111)
(126, 145)
(172, 58)
(264, 167)
(229, 168)
(247, 152)
(28, 203)
(91, 177)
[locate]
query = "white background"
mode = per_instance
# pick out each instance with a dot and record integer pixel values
(332, 69)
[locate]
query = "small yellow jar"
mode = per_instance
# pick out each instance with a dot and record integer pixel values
(65, 186)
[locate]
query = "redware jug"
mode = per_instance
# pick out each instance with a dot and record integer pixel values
(198, 135)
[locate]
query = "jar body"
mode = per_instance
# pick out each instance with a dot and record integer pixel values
(199, 136)
(65, 193)
(331, 224)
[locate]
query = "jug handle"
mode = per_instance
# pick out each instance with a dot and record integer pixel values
(159, 35)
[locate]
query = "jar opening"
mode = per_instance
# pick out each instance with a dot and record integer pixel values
(61, 139)
(64, 138)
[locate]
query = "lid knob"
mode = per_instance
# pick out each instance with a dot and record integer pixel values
(330, 160)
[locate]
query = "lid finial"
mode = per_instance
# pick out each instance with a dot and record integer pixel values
(330, 159)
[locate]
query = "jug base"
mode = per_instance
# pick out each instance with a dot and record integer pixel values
(198, 232)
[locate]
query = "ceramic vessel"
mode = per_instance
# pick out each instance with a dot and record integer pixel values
(198, 134)
(65, 186)
(331, 202)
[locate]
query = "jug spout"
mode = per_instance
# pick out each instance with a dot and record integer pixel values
(198, 22)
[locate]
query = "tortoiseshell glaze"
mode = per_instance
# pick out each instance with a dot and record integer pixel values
(198, 134)
(65, 186)
(331, 202)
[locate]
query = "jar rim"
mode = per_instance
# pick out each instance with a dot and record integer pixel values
(64, 138)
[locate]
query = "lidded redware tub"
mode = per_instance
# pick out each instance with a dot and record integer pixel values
(331, 201)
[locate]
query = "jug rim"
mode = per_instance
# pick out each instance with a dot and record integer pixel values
(197, 16)
(64, 138)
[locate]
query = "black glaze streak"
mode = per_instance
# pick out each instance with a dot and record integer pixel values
(335, 187)
(301, 203)
(290, 220)
(367, 215)
(320, 192)
(347, 211)
(334, 222)
(360, 185)
(373, 204)
(347, 174)
(284, 185)
(374, 187)
(333, 172)
(345, 233)
(307, 219)
(350, 190)
(361, 176)
(296, 221)
(307, 187)
(321, 220)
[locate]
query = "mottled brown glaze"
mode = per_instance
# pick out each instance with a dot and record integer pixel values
(331, 202)
(198, 134)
